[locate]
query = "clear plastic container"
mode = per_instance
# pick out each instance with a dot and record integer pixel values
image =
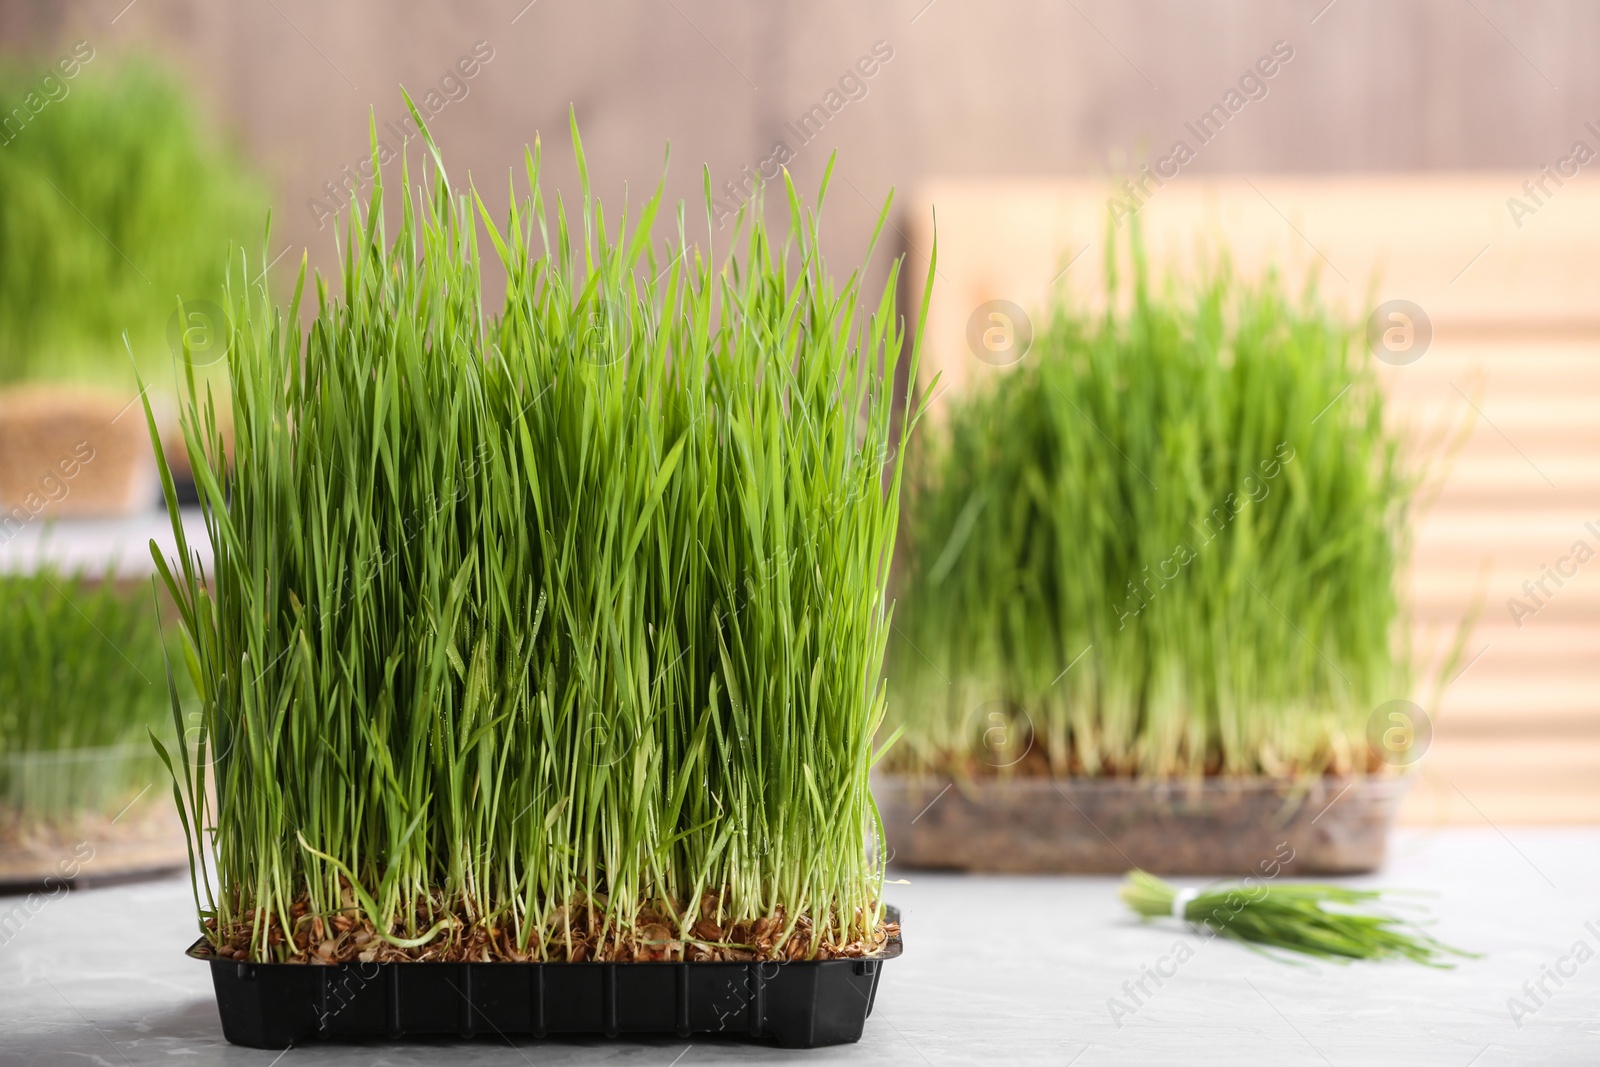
(82, 815)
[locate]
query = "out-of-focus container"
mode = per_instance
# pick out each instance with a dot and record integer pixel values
(68, 452)
(84, 815)
(1216, 826)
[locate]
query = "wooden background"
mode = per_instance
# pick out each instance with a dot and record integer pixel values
(1024, 88)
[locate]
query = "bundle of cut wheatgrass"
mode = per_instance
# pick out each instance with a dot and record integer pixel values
(1164, 545)
(550, 634)
(1328, 922)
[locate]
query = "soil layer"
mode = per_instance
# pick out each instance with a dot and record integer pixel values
(575, 935)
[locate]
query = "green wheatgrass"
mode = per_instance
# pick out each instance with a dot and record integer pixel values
(1295, 917)
(81, 684)
(115, 200)
(1193, 501)
(546, 626)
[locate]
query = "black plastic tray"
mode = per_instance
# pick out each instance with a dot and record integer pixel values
(797, 1004)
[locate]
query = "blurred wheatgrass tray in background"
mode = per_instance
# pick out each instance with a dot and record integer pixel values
(1149, 585)
(553, 634)
(81, 686)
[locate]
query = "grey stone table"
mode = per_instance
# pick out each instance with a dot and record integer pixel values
(996, 969)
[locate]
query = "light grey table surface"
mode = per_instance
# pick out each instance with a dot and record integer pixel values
(99, 546)
(996, 969)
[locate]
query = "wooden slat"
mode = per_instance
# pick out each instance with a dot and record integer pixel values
(1531, 536)
(1506, 780)
(1446, 242)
